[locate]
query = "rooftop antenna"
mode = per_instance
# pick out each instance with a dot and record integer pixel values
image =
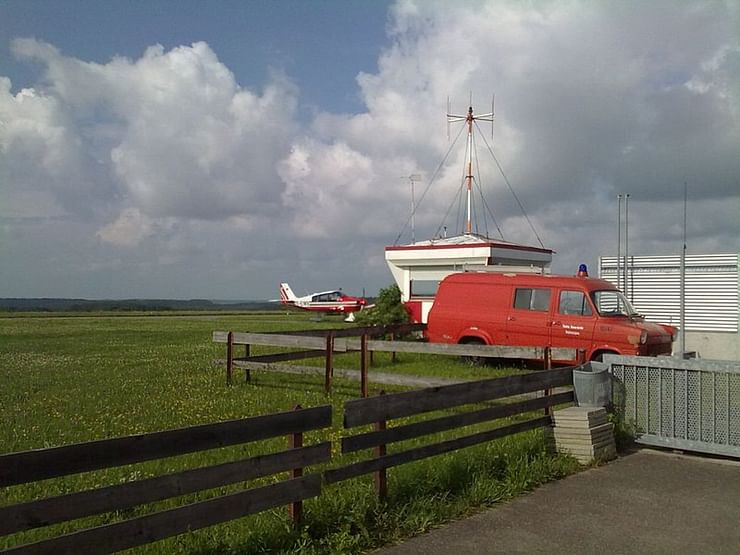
(412, 178)
(619, 241)
(627, 266)
(468, 118)
(682, 283)
(493, 113)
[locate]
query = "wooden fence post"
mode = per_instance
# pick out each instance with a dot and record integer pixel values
(229, 357)
(372, 355)
(329, 362)
(381, 478)
(363, 365)
(295, 509)
(393, 354)
(247, 369)
(548, 366)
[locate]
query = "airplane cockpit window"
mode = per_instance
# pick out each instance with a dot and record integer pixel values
(333, 296)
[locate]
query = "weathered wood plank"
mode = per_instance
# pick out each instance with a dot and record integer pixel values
(164, 524)
(278, 340)
(417, 429)
(387, 407)
(44, 512)
(39, 464)
(281, 357)
(310, 340)
(418, 453)
(491, 351)
(273, 339)
(357, 331)
(385, 378)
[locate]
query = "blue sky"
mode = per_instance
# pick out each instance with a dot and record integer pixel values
(213, 150)
(322, 44)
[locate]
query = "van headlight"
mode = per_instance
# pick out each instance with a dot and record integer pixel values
(643, 337)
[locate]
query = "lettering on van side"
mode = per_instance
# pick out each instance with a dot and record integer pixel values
(571, 329)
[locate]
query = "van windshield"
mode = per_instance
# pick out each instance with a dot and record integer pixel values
(612, 303)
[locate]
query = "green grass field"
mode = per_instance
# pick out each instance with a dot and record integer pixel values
(71, 378)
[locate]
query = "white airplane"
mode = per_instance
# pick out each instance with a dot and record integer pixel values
(323, 301)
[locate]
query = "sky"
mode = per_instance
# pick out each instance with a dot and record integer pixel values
(212, 150)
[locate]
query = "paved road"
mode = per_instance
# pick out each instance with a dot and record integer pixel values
(645, 502)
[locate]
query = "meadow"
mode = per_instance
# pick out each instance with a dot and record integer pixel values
(68, 378)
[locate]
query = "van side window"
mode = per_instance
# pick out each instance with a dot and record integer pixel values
(574, 303)
(532, 299)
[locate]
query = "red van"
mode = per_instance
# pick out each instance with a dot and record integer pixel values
(543, 310)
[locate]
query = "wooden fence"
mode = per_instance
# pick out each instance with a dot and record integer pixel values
(315, 343)
(326, 343)
(379, 410)
(30, 466)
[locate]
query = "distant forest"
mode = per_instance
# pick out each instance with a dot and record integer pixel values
(86, 305)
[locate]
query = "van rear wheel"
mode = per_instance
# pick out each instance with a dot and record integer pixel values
(473, 360)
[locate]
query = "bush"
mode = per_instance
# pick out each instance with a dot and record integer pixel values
(388, 309)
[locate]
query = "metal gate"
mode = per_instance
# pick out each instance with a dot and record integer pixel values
(680, 404)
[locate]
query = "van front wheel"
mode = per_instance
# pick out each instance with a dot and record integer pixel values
(473, 360)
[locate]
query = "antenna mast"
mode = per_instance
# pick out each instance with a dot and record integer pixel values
(412, 178)
(469, 118)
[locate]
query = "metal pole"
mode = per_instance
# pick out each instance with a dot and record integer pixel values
(469, 179)
(413, 211)
(619, 241)
(627, 246)
(682, 293)
(413, 177)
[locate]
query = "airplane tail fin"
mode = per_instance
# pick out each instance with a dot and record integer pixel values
(286, 294)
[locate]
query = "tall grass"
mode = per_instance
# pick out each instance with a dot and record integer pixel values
(72, 379)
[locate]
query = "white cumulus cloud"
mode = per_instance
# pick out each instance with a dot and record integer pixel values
(166, 168)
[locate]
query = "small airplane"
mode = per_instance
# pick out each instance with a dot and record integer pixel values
(324, 301)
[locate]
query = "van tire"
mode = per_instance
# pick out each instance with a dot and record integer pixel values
(473, 360)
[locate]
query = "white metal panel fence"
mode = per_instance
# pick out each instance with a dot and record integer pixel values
(681, 404)
(653, 285)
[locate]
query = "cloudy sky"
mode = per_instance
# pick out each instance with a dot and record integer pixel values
(201, 150)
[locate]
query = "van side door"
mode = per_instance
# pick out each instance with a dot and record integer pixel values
(573, 320)
(528, 321)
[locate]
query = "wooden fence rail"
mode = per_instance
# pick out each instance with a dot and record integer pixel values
(325, 343)
(378, 410)
(29, 466)
(318, 342)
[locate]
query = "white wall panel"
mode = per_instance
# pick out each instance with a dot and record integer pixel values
(653, 285)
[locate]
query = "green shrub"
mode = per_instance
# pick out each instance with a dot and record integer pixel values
(388, 309)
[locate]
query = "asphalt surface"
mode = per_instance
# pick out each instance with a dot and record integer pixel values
(644, 502)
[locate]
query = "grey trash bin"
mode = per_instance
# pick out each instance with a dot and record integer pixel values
(592, 385)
